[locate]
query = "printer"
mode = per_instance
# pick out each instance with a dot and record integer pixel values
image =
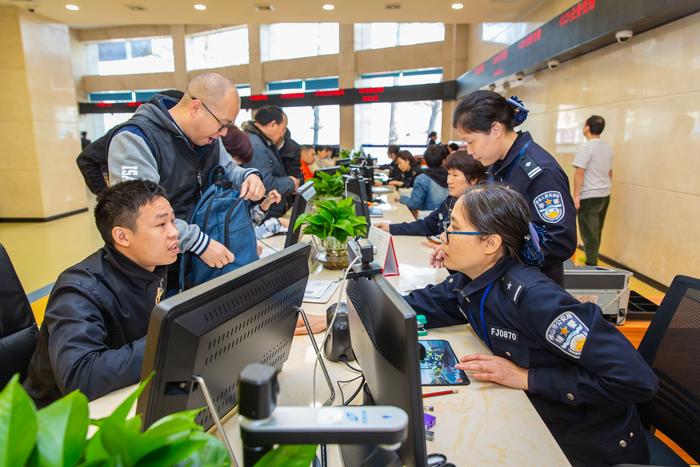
(606, 287)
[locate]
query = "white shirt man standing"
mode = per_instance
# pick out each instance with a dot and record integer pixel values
(592, 182)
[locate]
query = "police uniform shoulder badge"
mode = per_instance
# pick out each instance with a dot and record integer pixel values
(568, 333)
(550, 206)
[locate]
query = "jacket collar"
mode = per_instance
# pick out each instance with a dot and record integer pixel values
(520, 141)
(131, 271)
(252, 128)
(488, 277)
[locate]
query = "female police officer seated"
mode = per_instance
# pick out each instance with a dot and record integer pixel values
(580, 373)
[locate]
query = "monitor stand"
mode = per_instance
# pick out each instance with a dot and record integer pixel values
(356, 455)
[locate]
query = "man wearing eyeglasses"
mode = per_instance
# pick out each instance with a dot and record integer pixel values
(176, 143)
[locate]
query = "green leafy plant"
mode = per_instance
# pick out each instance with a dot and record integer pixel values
(329, 185)
(352, 154)
(333, 219)
(56, 435)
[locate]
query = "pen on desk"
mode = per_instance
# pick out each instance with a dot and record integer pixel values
(440, 393)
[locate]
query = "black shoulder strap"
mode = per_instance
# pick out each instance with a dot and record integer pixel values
(512, 287)
(531, 168)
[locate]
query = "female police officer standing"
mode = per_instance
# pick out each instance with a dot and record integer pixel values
(582, 376)
(485, 121)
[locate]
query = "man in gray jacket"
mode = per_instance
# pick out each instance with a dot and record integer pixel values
(176, 144)
(266, 132)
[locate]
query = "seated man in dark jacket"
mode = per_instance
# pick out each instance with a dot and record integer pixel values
(94, 331)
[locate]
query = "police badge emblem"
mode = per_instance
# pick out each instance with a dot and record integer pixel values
(550, 206)
(567, 333)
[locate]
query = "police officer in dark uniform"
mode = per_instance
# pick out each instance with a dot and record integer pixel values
(582, 375)
(485, 121)
(462, 172)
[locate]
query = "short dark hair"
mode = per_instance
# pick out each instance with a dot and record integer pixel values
(305, 147)
(238, 145)
(119, 205)
(480, 109)
(393, 149)
(83, 133)
(432, 133)
(407, 156)
(453, 146)
(596, 124)
(472, 169)
(496, 209)
(435, 154)
(269, 113)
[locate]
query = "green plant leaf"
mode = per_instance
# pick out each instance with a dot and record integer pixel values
(171, 453)
(346, 226)
(96, 450)
(212, 454)
(18, 424)
(289, 455)
(62, 433)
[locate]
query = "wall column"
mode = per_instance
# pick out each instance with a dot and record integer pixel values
(455, 60)
(346, 77)
(177, 31)
(255, 70)
(39, 179)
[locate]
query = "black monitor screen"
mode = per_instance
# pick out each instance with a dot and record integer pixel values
(384, 337)
(356, 188)
(217, 328)
(301, 198)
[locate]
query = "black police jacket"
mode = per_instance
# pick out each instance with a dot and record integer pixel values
(584, 376)
(94, 330)
(430, 225)
(540, 179)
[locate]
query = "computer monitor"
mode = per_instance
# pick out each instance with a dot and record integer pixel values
(301, 198)
(365, 168)
(356, 188)
(329, 170)
(217, 328)
(384, 336)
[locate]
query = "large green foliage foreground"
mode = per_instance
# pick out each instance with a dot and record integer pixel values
(333, 219)
(57, 436)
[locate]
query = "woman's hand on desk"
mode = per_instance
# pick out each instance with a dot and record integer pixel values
(317, 323)
(495, 369)
(382, 226)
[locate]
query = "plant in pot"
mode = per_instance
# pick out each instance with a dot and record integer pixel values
(333, 223)
(329, 186)
(57, 435)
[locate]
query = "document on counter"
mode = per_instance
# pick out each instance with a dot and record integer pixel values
(319, 291)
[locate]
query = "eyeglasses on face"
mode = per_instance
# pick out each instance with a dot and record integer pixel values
(448, 232)
(221, 123)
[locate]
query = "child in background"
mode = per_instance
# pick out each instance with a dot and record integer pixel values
(308, 162)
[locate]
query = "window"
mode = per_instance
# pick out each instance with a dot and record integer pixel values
(402, 123)
(282, 41)
(314, 125)
(122, 96)
(504, 33)
(311, 84)
(381, 35)
(400, 78)
(149, 55)
(220, 48)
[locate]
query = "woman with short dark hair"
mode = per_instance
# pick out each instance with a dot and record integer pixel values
(462, 172)
(408, 168)
(580, 373)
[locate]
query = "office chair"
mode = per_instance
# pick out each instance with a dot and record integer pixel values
(18, 329)
(671, 347)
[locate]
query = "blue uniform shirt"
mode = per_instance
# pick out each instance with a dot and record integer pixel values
(540, 179)
(584, 376)
(431, 225)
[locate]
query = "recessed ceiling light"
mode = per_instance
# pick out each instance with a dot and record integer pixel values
(200, 6)
(328, 7)
(72, 7)
(457, 6)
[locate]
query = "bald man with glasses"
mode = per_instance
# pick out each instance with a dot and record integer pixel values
(176, 143)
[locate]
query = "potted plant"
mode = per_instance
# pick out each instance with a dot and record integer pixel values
(333, 223)
(57, 435)
(329, 186)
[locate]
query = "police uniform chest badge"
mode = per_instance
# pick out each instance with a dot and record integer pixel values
(567, 333)
(550, 206)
